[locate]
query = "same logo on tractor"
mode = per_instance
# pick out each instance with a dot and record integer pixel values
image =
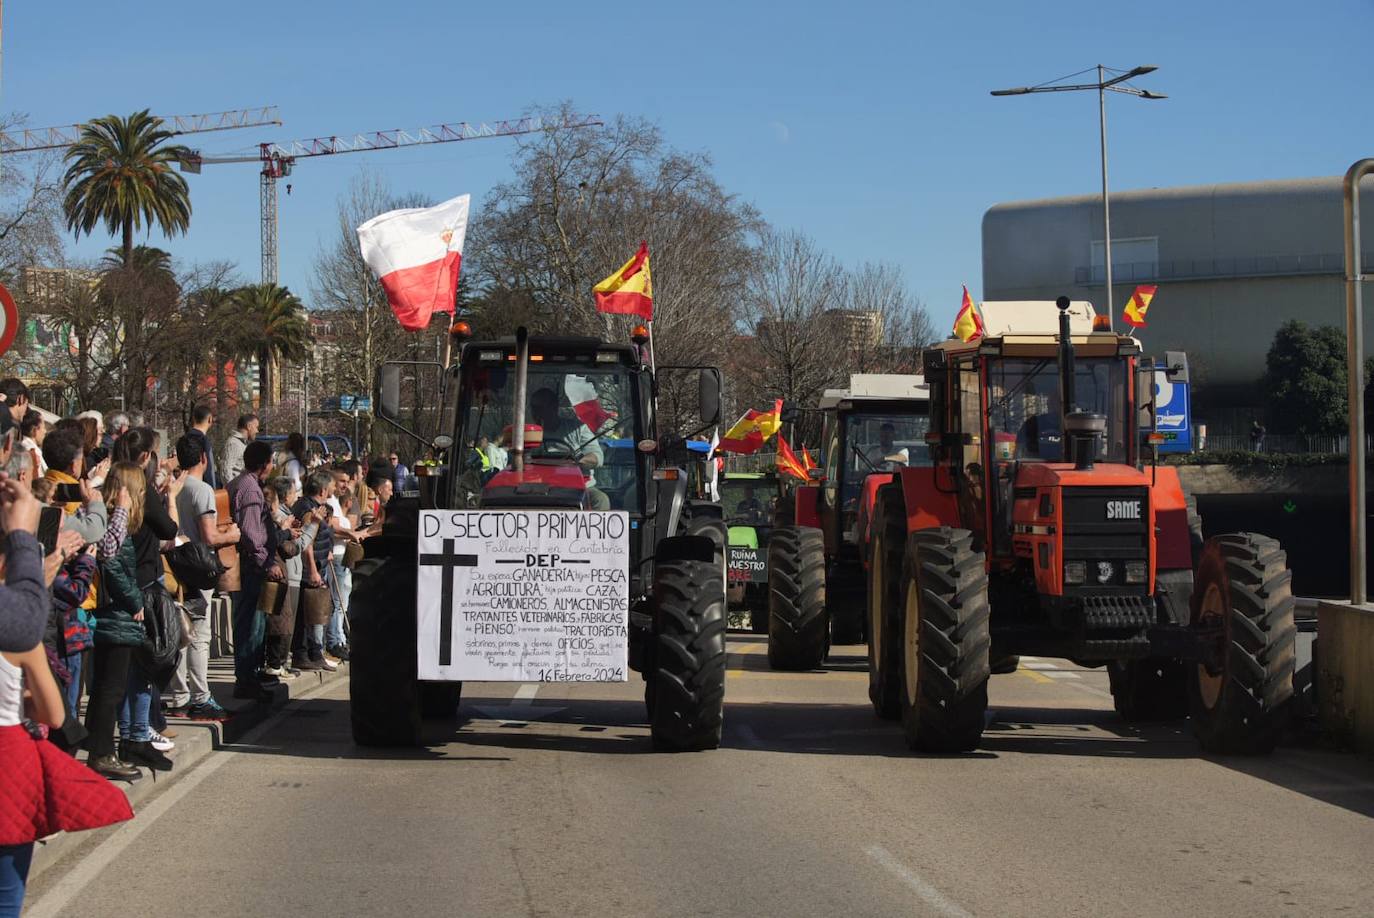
(1123, 509)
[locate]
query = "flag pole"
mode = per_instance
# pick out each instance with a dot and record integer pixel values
(652, 366)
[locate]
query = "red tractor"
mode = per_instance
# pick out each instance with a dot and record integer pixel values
(1044, 526)
(816, 559)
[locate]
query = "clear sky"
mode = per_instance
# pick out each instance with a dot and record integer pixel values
(867, 125)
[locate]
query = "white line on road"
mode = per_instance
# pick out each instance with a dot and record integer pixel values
(525, 693)
(1060, 674)
(1025, 665)
(83, 874)
(929, 894)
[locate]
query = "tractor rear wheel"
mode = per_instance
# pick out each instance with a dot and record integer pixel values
(384, 694)
(439, 700)
(1243, 601)
(945, 641)
(884, 599)
(798, 632)
(687, 704)
(1152, 689)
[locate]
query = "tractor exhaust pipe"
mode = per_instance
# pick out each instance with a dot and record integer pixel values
(522, 366)
(1068, 401)
(1082, 431)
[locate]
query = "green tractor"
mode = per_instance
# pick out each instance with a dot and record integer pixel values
(749, 501)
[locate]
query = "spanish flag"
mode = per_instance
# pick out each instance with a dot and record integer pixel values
(788, 463)
(807, 462)
(752, 430)
(1139, 304)
(968, 324)
(628, 291)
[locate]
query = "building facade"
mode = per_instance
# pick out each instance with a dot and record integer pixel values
(1232, 263)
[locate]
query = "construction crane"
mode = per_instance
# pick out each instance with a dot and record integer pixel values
(29, 140)
(278, 159)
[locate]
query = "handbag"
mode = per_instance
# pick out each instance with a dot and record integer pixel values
(196, 565)
(166, 630)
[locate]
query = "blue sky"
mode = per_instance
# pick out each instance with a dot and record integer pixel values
(867, 125)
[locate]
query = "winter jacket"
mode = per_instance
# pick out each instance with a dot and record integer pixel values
(158, 527)
(121, 600)
(231, 465)
(68, 593)
(23, 596)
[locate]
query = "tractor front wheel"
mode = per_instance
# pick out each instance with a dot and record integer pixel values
(1243, 605)
(686, 697)
(945, 642)
(384, 694)
(884, 599)
(798, 632)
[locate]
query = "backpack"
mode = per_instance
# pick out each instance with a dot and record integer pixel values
(196, 565)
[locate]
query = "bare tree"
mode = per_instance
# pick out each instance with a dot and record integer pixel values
(877, 293)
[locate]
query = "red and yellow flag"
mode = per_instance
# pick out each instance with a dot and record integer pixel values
(628, 291)
(1139, 304)
(968, 324)
(788, 463)
(752, 430)
(807, 462)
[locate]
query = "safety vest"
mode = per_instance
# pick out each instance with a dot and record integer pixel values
(483, 458)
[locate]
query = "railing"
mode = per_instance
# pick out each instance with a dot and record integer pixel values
(757, 462)
(1283, 443)
(1205, 268)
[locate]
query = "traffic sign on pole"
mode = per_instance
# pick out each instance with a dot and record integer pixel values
(9, 319)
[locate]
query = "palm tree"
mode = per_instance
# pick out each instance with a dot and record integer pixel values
(119, 173)
(276, 328)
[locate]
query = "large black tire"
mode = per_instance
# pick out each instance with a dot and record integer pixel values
(384, 694)
(884, 600)
(713, 528)
(945, 641)
(1243, 598)
(686, 697)
(1152, 689)
(798, 633)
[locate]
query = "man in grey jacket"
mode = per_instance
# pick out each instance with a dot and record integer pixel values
(86, 514)
(231, 463)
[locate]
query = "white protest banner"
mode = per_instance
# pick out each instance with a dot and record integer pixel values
(524, 595)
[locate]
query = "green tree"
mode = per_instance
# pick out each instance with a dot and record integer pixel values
(275, 328)
(1305, 380)
(120, 173)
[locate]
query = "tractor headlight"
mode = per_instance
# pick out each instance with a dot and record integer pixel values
(1075, 571)
(1136, 572)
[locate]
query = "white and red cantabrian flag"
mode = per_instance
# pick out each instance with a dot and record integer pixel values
(586, 403)
(417, 253)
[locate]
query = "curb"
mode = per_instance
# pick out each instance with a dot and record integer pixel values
(194, 742)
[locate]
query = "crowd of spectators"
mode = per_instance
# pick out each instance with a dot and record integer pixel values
(94, 513)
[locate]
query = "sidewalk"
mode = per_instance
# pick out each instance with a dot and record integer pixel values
(194, 741)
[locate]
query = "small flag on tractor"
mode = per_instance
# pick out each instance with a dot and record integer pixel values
(752, 430)
(1139, 304)
(788, 463)
(628, 291)
(968, 324)
(586, 402)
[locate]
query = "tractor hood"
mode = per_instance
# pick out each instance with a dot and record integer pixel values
(1063, 474)
(544, 485)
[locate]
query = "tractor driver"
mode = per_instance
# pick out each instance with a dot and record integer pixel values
(887, 451)
(569, 439)
(749, 506)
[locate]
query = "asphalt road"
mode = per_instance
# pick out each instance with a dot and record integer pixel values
(547, 801)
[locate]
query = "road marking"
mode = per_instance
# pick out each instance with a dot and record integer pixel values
(929, 894)
(1037, 665)
(1060, 674)
(525, 693)
(56, 900)
(1037, 677)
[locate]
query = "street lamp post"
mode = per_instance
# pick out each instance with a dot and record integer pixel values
(1106, 80)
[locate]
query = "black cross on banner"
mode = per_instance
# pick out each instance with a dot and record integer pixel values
(449, 562)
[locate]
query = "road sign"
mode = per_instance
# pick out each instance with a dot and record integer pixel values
(355, 403)
(9, 314)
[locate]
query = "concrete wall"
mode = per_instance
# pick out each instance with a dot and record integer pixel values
(1225, 322)
(1345, 662)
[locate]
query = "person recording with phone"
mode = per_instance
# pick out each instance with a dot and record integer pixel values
(63, 451)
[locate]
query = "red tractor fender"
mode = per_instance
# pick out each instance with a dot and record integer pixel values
(1173, 550)
(927, 505)
(807, 514)
(867, 496)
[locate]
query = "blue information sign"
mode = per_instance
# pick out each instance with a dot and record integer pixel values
(1173, 415)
